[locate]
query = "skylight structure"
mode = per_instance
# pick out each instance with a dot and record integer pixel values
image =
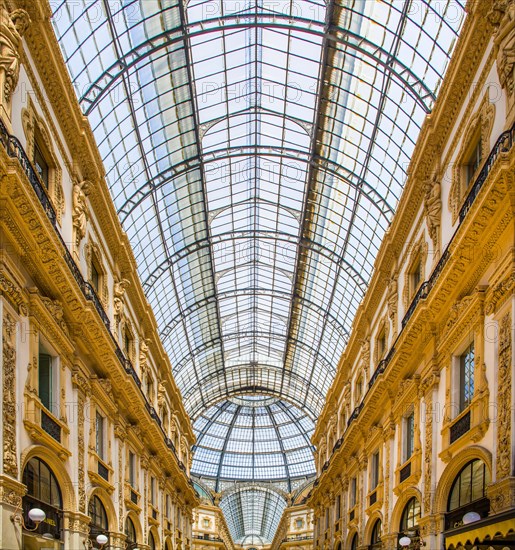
(256, 151)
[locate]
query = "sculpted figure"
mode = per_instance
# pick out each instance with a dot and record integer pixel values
(433, 207)
(80, 209)
(12, 28)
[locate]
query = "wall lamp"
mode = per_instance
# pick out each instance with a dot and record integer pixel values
(406, 541)
(36, 515)
(102, 540)
(470, 517)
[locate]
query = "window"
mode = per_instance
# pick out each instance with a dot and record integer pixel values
(416, 275)
(98, 515)
(469, 486)
(206, 523)
(100, 436)
(375, 538)
(95, 278)
(354, 543)
(150, 388)
(43, 492)
(327, 518)
(374, 474)
(353, 492)
(130, 531)
(466, 377)
(410, 515)
(167, 506)
(358, 390)
(381, 345)
(47, 380)
(338, 507)
(41, 483)
(40, 163)
(153, 491)
(409, 436)
(299, 523)
(473, 162)
(151, 541)
(132, 469)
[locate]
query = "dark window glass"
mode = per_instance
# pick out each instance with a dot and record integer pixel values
(410, 515)
(354, 543)
(469, 485)
(40, 164)
(100, 433)
(130, 531)
(151, 541)
(474, 161)
(98, 515)
(95, 277)
(41, 483)
(466, 377)
(375, 471)
(376, 533)
(45, 380)
(410, 435)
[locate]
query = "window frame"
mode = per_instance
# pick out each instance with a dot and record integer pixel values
(52, 403)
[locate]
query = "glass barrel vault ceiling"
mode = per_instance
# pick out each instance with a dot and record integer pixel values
(256, 152)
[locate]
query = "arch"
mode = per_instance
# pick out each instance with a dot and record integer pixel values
(338, 545)
(352, 540)
(56, 465)
(168, 543)
(371, 524)
(154, 533)
(398, 509)
(453, 469)
(103, 495)
(131, 516)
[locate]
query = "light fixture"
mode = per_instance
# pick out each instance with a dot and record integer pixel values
(101, 541)
(470, 517)
(404, 541)
(36, 515)
(47, 536)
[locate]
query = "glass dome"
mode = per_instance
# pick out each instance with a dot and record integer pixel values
(249, 438)
(253, 514)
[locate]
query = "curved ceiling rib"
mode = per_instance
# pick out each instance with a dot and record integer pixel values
(256, 152)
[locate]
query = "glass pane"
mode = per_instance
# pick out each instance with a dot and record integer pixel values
(45, 380)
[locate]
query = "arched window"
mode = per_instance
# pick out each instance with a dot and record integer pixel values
(468, 492)
(98, 515)
(130, 531)
(410, 515)
(354, 543)
(151, 541)
(375, 538)
(43, 492)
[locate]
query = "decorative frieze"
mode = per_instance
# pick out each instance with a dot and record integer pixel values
(503, 460)
(10, 456)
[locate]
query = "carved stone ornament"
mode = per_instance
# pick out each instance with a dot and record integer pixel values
(80, 210)
(118, 296)
(13, 293)
(456, 311)
(9, 395)
(55, 309)
(12, 28)
(481, 122)
(505, 47)
(433, 208)
(499, 293)
(503, 465)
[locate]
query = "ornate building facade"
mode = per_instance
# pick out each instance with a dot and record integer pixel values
(415, 446)
(93, 430)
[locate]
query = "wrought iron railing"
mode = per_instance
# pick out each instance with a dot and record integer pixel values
(50, 426)
(14, 149)
(405, 472)
(460, 427)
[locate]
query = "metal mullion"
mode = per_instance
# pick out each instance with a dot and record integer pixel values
(190, 71)
(155, 200)
(309, 185)
(281, 445)
(143, 159)
(386, 81)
